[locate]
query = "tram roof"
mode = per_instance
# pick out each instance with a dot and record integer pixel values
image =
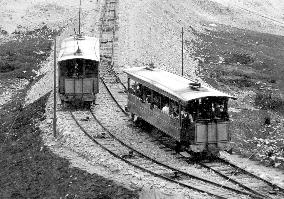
(171, 85)
(89, 48)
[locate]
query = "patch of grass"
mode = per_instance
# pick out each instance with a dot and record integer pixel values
(25, 52)
(240, 82)
(230, 52)
(250, 64)
(240, 58)
(266, 100)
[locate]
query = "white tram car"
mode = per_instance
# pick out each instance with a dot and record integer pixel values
(78, 69)
(194, 115)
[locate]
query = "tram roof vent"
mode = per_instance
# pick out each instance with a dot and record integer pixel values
(78, 51)
(150, 67)
(195, 85)
(80, 37)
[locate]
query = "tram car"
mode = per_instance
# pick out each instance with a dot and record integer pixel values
(78, 70)
(194, 115)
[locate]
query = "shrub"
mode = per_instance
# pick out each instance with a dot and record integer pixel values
(240, 82)
(238, 58)
(6, 67)
(267, 101)
(26, 51)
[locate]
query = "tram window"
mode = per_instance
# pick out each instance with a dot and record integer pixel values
(174, 109)
(63, 69)
(164, 100)
(135, 88)
(205, 108)
(220, 109)
(138, 91)
(146, 94)
(132, 86)
(78, 68)
(90, 68)
(192, 108)
(213, 108)
(156, 100)
(186, 117)
(68, 68)
(165, 104)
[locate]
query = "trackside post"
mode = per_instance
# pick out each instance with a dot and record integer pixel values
(54, 91)
(182, 51)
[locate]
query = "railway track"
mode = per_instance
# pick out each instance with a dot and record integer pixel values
(247, 181)
(116, 89)
(227, 171)
(236, 174)
(131, 156)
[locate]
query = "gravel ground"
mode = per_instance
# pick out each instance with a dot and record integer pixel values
(148, 35)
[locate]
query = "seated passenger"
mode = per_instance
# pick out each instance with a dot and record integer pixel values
(222, 113)
(155, 103)
(148, 98)
(139, 91)
(143, 97)
(175, 111)
(166, 109)
(218, 111)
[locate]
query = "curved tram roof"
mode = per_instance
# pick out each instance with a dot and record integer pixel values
(171, 85)
(89, 48)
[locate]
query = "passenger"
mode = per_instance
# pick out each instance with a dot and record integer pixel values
(166, 109)
(76, 70)
(156, 102)
(187, 119)
(148, 98)
(139, 91)
(143, 97)
(218, 111)
(175, 111)
(132, 89)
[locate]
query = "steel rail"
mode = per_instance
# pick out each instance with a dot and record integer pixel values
(164, 165)
(138, 167)
(119, 80)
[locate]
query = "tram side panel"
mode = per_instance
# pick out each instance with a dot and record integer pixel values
(154, 116)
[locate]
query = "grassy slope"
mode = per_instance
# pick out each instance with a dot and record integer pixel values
(249, 65)
(28, 168)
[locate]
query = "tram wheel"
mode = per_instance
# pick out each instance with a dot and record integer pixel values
(198, 156)
(178, 147)
(87, 105)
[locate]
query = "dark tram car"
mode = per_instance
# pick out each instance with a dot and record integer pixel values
(194, 115)
(78, 65)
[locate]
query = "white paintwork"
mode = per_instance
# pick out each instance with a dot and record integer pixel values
(89, 46)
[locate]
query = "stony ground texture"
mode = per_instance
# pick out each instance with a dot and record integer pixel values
(149, 33)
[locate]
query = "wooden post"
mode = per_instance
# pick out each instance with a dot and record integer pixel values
(112, 48)
(179, 114)
(80, 18)
(54, 91)
(182, 51)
